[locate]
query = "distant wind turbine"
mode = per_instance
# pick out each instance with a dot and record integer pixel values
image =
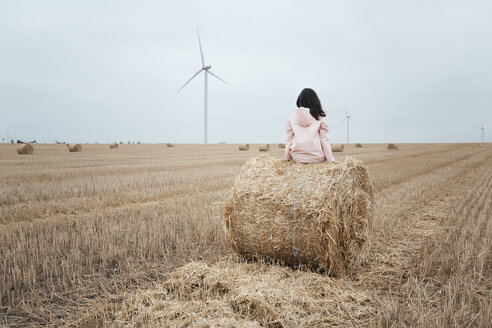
(483, 127)
(347, 117)
(207, 71)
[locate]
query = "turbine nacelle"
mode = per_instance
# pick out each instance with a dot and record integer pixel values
(207, 67)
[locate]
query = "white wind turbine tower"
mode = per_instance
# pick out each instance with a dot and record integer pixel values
(483, 127)
(347, 117)
(205, 68)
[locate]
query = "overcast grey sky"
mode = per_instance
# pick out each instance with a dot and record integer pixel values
(99, 71)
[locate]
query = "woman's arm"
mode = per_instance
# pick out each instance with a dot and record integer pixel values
(325, 142)
(290, 136)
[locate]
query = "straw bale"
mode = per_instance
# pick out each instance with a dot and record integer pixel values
(25, 149)
(264, 147)
(313, 214)
(169, 145)
(244, 147)
(228, 294)
(74, 148)
(281, 146)
(392, 146)
(358, 145)
(337, 148)
(113, 146)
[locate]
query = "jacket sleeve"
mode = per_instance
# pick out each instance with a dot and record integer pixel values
(325, 142)
(290, 136)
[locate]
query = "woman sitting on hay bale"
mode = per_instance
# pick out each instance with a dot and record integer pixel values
(316, 215)
(307, 132)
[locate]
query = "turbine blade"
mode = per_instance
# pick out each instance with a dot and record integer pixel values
(189, 80)
(200, 44)
(214, 75)
(340, 124)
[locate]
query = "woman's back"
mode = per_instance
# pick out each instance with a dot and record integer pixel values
(307, 136)
(306, 144)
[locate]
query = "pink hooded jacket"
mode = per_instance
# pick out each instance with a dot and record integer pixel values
(307, 138)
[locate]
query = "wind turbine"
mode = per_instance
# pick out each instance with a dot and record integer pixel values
(483, 127)
(205, 68)
(347, 117)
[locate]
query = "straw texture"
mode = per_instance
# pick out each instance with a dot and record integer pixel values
(264, 147)
(313, 214)
(229, 294)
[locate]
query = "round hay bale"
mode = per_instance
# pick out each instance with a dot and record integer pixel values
(358, 145)
(313, 214)
(244, 147)
(337, 148)
(169, 145)
(74, 148)
(113, 146)
(264, 147)
(281, 145)
(26, 149)
(392, 146)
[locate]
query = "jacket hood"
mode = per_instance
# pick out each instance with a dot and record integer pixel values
(303, 117)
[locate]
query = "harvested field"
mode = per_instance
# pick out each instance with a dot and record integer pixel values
(107, 236)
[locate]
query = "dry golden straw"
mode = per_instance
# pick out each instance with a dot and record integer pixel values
(264, 147)
(244, 147)
(358, 145)
(392, 146)
(313, 214)
(113, 146)
(246, 295)
(25, 149)
(337, 148)
(75, 148)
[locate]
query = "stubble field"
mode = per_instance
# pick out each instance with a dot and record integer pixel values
(82, 235)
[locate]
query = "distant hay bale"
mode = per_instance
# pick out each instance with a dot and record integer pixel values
(358, 145)
(113, 146)
(281, 145)
(74, 148)
(313, 214)
(392, 146)
(337, 148)
(25, 149)
(244, 147)
(169, 145)
(264, 147)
